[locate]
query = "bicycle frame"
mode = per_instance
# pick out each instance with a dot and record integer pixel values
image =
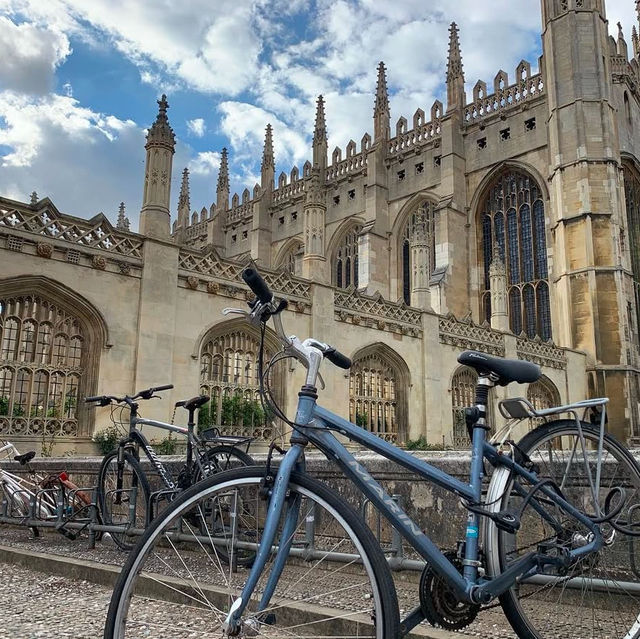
(314, 424)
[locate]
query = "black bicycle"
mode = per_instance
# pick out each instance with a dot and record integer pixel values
(126, 497)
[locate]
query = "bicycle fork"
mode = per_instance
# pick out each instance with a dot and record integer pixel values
(278, 501)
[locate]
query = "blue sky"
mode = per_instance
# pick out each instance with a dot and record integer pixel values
(79, 82)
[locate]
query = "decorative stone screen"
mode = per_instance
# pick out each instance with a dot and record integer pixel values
(345, 262)
(542, 394)
(43, 358)
(463, 387)
(420, 228)
(512, 222)
(375, 401)
(229, 375)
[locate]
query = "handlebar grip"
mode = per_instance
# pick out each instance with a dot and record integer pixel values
(254, 281)
(95, 398)
(337, 358)
(161, 388)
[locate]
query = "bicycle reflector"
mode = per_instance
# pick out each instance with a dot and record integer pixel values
(63, 476)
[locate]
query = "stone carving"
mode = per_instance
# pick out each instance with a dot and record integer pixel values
(192, 282)
(376, 306)
(213, 287)
(44, 249)
(99, 262)
(543, 353)
(96, 233)
(124, 268)
(467, 335)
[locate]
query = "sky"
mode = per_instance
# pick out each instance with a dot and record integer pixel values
(79, 82)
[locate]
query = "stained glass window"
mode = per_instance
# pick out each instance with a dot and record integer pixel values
(346, 259)
(521, 243)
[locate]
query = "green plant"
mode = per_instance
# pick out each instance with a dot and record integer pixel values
(361, 419)
(167, 446)
(4, 405)
(422, 444)
(107, 439)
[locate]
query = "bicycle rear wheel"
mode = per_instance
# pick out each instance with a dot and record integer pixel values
(115, 496)
(599, 595)
(221, 458)
(335, 582)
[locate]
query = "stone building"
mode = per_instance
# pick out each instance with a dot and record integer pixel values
(507, 222)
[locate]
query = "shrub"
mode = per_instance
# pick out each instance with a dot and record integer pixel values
(107, 439)
(422, 444)
(167, 446)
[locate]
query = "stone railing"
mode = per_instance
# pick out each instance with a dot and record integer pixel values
(96, 233)
(415, 138)
(241, 213)
(349, 166)
(288, 192)
(212, 266)
(376, 312)
(543, 353)
(465, 334)
(503, 99)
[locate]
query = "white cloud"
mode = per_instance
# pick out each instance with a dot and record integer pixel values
(196, 127)
(29, 56)
(205, 163)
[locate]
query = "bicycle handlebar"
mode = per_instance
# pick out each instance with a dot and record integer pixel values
(254, 281)
(105, 400)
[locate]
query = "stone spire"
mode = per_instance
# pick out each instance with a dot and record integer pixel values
(222, 190)
(34, 198)
(635, 41)
(184, 202)
(455, 74)
(320, 137)
(123, 221)
(621, 45)
(160, 147)
(381, 113)
(268, 167)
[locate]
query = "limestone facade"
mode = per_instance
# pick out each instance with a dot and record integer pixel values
(508, 223)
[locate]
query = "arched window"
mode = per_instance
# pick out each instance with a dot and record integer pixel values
(289, 259)
(229, 376)
(632, 198)
(512, 222)
(345, 261)
(542, 394)
(419, 227)
(377, 394)
(463, 386)
(35, 334)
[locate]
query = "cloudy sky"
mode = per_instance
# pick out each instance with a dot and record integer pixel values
(79, 81)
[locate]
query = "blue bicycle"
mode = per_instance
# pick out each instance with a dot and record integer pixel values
(272, 552)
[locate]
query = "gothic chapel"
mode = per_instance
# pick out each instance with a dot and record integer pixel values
(507, 221)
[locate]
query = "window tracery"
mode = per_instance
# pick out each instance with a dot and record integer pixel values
(542, 394)
(288, 260)
(374, 395)
(463, 387)
(512, 222)
(40, 378)
(420, 227)
(632, 197)
(229, 376)
(345, 263)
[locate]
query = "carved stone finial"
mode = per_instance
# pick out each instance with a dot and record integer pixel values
(123, 221)
(268, 159)
(34, 198)
(184, 200)
(320, 131)
(161, 132)
(223, 174)
(454, 59)
(381, 112)
(635, 41)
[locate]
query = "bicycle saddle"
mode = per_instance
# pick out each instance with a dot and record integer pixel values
(193, 403)
(25, 457)
(507, 370)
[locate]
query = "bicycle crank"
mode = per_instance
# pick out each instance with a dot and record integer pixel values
(440, 605)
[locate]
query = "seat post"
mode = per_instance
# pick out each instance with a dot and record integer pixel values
(484, 384)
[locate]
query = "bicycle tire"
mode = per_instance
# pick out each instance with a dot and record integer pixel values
(601, 583)
(221, 458)
(106, 498)
(189, 574)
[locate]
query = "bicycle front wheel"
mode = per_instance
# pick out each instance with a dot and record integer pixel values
(597, 596)
(118, 487)
(335, 581)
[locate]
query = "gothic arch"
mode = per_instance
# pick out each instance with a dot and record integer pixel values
(379, 380)
(288, 250)
(402, 232)
(51, 340)
(630, 235)
(510, 221)
(228, 373)
(543, 394)
(347, 263)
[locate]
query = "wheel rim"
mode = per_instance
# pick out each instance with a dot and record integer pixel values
(598, 596)
(316, 596)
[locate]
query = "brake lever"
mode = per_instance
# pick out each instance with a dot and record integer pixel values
(235, 311)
